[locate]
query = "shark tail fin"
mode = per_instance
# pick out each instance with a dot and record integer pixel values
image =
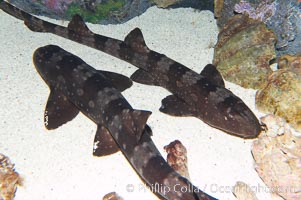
(136, 41)
(78, 25)
(13, 11)
(135, 121)
(33, 23)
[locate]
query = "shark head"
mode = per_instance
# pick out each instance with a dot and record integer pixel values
(42, 58)
(229, 113)
(60, 68)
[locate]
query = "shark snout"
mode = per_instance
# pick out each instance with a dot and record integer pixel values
(45, 53)
(245, 122)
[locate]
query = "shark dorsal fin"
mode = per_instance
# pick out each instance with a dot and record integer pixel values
(78, 25)
(212, 74)
(136, 41)
(137, 123)
(140, 117)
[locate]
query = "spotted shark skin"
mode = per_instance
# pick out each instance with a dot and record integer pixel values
(77, 87)
(199, 95)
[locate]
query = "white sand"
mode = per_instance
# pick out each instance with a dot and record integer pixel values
(58, 164)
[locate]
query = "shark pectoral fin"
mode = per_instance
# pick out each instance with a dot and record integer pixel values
(11, 10)
(137, 122)
(58, 111)
(143, 77)
(136, 41)
(174, 106)
(78, 25)
(212, 74)
(104, 144)
(120, 82)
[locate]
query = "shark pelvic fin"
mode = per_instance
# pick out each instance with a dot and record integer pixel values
(104, 144)
(136, 41)
(12, 10)
(174, 106)
(120, 82)
(34, 26)
(58, 111)
(212, 74)
(78, 25)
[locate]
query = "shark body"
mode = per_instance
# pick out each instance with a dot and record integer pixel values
(202, 95)
(75, 86)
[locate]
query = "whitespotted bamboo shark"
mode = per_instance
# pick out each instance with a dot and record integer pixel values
(75, 86)
(200, 95)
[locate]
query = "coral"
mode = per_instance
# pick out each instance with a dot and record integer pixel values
(9, 179)
(277, 155)
(131, 8)
(262, 12)
(243, 191)
(243, 51)
(281, 94)
(283, 22)
(57, 5)
(101, 10)
(177, 157)
(94, 11)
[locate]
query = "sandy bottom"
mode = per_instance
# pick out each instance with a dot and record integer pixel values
(58, 164)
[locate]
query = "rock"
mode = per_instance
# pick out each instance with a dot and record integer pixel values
(277, 155)
(9, 179)
(177, 157)
(218, 7)
(165, 3)
(283, 17)
(112, 196)
(281, 94)
(243, 51)
(224, 10)
(242, 191)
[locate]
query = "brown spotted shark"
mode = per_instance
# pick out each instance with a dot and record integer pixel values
(199, 95)
(75, 86)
